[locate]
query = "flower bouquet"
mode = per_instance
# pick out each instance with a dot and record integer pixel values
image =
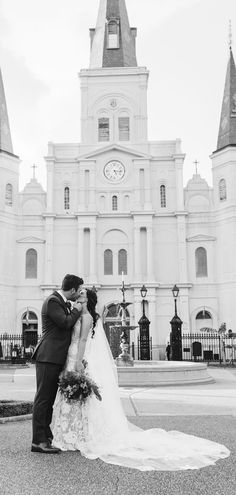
(77, 386)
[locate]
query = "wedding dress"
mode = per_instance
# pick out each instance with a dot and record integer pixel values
(101, 429)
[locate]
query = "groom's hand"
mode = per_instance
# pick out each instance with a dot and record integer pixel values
(78, 306)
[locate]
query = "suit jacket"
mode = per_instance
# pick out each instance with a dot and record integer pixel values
(57, 324)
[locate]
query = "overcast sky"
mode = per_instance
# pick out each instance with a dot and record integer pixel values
(184, 44)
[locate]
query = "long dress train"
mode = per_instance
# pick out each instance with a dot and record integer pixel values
(101, 429)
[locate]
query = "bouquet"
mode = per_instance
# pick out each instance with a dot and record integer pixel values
(78, 386)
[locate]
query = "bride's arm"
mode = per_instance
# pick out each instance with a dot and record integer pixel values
(86, 324)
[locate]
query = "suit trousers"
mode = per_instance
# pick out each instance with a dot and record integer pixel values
(47, 375)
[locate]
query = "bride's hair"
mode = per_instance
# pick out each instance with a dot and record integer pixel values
(91, 305)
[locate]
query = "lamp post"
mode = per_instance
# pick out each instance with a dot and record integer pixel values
(175, 335)
(144, 329)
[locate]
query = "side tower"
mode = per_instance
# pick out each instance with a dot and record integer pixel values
(224, 184)
(9, 180)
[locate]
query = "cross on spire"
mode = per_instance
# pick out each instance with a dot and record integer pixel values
(196, 163)
(34, 168)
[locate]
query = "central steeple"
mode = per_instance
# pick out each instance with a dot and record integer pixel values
(113, 41)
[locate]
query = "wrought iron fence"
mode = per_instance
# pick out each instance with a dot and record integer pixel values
(17, 348)
(209, 347)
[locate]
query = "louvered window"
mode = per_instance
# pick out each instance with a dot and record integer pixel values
(124, 131)
(113, 34)
(103, 129)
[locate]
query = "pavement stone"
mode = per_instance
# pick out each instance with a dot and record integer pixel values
(207, 410)
(24, 473)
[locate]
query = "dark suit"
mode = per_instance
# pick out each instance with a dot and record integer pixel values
(50, 356)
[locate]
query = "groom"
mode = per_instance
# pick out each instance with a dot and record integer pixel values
(58, 319)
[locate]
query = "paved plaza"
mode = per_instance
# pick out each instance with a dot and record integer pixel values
(205, 410)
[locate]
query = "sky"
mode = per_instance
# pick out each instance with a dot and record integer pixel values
(183, 43)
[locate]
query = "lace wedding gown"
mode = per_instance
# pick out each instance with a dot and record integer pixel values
(101, 430)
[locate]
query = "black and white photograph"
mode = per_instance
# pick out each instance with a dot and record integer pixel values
(117, 247)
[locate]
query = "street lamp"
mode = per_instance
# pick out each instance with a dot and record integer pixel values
(175, 335)
(175, 292)
(144, 329)
(143, 291)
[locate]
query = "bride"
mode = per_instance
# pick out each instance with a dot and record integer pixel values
(101, 429)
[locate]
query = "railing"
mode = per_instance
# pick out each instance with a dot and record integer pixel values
(17, 348)
(209, 347)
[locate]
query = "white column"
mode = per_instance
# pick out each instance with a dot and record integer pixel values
(80, 249)
(136, 254)
(93, 252)
(150, 266)
(50, 174)
(81, 188)
(48, 265)
(92, 196)
(182, 248)
(179, 160)
(147, 187)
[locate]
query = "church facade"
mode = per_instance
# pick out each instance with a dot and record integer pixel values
(115, 206)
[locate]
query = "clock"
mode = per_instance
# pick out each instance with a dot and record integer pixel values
(114, 171)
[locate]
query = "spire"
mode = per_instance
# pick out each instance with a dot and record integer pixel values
(227, 131)
(5, 133)
(113, 41)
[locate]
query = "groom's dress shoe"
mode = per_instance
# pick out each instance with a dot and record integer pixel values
(44, 448)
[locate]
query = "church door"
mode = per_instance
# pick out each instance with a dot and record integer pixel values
(29, 330)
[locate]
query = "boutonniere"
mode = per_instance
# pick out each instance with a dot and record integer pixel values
(69, 306)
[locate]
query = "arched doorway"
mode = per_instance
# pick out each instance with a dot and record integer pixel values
(112, 320)
(29, 329)
(204, 321)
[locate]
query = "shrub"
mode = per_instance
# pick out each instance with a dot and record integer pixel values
(15, 408)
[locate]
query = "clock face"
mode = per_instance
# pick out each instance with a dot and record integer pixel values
(114, 171)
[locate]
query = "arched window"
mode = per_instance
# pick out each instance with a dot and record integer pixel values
(103, 129)
(9, 195)
(122, 262)
(66, 198)
(108, 262)
(201, 262)
(114, 203)
(203, 315)
(31, 264)
(222, 190)
(163, 196)
(124, 128)
(113, 34)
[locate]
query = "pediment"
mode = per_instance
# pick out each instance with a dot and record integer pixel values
(112, 148)
(201, 238)
(30, 240)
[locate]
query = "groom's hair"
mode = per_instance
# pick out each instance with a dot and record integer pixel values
(71, 282)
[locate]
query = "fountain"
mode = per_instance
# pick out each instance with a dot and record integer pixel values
(148, 373)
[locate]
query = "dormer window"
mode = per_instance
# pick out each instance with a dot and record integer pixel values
(113, 34)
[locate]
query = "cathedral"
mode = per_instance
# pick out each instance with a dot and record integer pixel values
(115, 207)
